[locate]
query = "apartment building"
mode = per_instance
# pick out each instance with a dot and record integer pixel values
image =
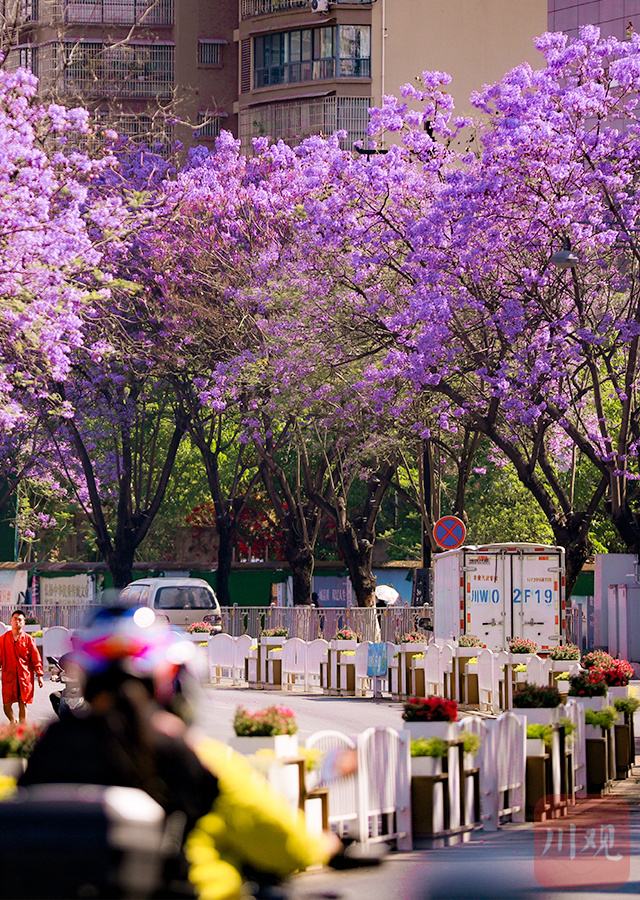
(614, 17)
(153, 69)
(314, 66)
(284, 69)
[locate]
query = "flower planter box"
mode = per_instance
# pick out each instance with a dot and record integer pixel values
(417, 688)
(536, 747)
(428, 809)
(343, 645)
(617, 693)
(564, 665)
(347, 676)
(426, 765)
(12, 766)
(591, 702)
(541, 715)
(285, 746)
(447, 731)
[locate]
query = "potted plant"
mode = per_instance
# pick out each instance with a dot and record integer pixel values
(596, 659)
(538, 739)
(520, 672)
(17, 741)
(414, 637)
(427, 755)
(539, 703)
(428, 816)
(520, 646)
(563, 654)
(273, 728)
(279, 632)
(431, 717)
(470, 744)
(344, 639)
(589, 688)
(598, 720)
(562, 682)
(469, 640)
(200, 631)
(617, 675)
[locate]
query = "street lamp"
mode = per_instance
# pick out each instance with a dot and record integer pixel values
(565, 258)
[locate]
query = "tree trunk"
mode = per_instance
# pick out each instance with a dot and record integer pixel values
(357, 553)
(120, 562)
(577, 549)
(301, 563)
(626, 524)
(226, 531)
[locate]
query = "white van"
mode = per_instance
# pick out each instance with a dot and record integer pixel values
(181, 601)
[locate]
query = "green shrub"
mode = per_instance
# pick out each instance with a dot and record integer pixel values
(603, 718)
(429, 747)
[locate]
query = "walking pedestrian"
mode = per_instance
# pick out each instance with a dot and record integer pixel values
(21, 665)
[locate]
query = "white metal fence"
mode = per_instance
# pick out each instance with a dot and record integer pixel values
(310, 623)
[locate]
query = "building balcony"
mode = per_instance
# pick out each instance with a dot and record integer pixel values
(249, 9)
(144, 13)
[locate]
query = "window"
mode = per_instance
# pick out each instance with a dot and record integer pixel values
(209, 53)
(312, 54)
(29, 9)
(29, 59)
(130, 70)
(208, 125)
(355, 52)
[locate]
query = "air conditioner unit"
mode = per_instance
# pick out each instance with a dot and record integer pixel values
(319, 6)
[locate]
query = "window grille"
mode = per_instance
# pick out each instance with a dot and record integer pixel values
(29, 10)
(209, 53)
(156, 133)
(115, 12)
(294, 121)
(29, 59)
(127, 70)
(208, 125)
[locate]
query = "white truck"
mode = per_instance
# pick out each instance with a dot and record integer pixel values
(499, 592)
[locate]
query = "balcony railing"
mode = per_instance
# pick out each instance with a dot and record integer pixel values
(145, 13)
(134, 70)
(251, 8)
(293, 121)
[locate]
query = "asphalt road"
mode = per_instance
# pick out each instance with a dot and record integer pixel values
(488, 867)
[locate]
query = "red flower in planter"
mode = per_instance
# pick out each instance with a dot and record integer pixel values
(430, 709)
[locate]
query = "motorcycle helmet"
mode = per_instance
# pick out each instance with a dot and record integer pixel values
(124, 643)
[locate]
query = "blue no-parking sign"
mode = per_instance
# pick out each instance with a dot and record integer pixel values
(449, 532)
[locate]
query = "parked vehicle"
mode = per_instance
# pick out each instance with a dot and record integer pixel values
(181, 601)
(499, 592)
(70, 697)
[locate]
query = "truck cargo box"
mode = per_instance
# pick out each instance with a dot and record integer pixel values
(499, 592)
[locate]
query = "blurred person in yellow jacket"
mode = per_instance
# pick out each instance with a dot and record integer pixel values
(251, 832)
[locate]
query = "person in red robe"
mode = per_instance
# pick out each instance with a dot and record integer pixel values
(21, 664)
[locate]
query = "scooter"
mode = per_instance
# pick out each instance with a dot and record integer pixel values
(70, 697)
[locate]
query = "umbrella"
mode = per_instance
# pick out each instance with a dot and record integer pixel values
(388, 594)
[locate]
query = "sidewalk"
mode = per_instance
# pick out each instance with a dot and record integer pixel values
(490, 866)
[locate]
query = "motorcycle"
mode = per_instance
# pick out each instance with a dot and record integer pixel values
(70, 697)
(114, 842)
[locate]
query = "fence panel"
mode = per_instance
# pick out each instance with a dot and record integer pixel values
(310, 623)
